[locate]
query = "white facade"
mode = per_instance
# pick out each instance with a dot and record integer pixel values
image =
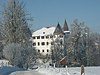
(43, 39)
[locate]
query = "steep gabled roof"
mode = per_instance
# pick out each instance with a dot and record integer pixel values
(65, 28)
(58, 30)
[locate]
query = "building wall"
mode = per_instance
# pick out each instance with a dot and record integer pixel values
(43, 39)
(43, 45)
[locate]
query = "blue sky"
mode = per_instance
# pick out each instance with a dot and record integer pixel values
(50, 12)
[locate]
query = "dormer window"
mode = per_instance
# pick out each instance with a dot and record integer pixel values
(43, 32)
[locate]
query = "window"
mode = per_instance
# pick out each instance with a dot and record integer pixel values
(42, 37)
(51, 43)
(51, 36)
(68, 32)
(47, 50)
(47, 43)
(33, 37)
(61, 36)
(34, 44)
(42, 50)
(47, 37)
(38, 43)
(61, 42)
(38, 37)
(38, 50)
(42, 43)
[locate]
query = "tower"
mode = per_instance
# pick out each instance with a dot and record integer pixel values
(65, 27)
(66, 33)
(58, 30)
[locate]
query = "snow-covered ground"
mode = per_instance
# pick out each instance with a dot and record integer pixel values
(88, 70)
(47, 70)
(60, 71)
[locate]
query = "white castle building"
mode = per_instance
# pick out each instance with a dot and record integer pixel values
(43, 38)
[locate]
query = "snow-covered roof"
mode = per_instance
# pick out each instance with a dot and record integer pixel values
(44, 31)
(3, 61)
